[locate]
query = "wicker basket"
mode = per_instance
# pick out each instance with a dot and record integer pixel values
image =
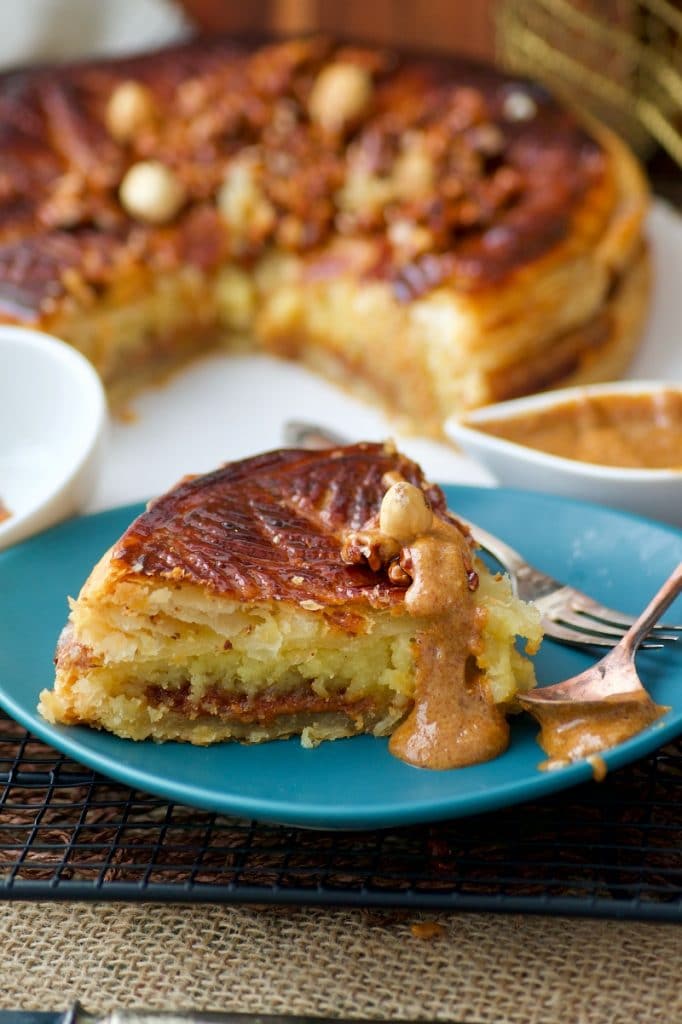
(620, 59)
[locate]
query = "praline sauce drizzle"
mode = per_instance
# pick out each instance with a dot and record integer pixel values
(570, 733)
(453, 721)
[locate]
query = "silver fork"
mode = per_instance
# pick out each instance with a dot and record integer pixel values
(568, 615)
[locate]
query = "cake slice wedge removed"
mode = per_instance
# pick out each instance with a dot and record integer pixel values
(315, 593)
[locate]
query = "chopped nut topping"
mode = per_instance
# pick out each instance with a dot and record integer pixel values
(291, 232)
(364, 195)
(192, 95)
(393, 476)
(243, 205)
(405, 512)
(152, 192)
(397, 574)
(341, 94)
(487, 139)
(68, 204)
(131, 107)
(409, 239)
(76, 285)
(371, 546)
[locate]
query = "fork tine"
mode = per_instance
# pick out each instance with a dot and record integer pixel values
(618, 619)
(556, 630)
(587, 626)
(583, 620)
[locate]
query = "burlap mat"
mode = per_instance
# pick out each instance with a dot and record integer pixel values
(483, 968)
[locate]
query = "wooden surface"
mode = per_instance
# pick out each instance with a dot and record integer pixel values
(464, 26)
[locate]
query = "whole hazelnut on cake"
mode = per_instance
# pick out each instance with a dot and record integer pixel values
(341, 93)
(131, 107)
(152, 192)
(405, 513)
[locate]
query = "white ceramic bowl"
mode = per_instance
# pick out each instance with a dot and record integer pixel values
(52, 423)
(656, 493)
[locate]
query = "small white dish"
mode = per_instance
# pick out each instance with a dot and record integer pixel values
(52, 421)
(655, 493)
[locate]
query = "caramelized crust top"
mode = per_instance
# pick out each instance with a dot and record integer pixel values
(449, 171)
(271, 527)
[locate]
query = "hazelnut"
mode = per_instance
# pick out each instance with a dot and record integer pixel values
(341, 93)
(151, 192)
(131, 106)
(405, 512)
(519, 106)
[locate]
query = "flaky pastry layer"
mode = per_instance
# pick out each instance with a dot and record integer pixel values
(176, 663)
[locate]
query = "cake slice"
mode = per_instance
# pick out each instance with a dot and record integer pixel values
(315, 593)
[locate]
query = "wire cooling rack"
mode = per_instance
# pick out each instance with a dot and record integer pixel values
(612, 849)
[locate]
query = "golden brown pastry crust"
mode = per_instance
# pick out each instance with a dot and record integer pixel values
(272, 528)
(598, 350)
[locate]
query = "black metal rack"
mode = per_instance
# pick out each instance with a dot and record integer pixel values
(612, 849)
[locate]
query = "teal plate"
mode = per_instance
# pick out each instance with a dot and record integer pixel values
(353, 783)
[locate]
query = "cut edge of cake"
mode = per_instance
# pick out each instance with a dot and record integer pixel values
(178, 637)
(171, 663)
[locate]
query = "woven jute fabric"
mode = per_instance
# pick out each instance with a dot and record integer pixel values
(476, 968)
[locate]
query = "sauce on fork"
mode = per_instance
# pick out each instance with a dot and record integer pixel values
(579, 731)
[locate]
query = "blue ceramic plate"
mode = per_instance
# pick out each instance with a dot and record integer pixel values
(352, 783)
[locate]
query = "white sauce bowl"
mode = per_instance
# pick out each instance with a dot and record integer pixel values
(656, 493)
(53, 415)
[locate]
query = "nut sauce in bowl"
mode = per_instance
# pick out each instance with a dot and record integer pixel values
(618, 444)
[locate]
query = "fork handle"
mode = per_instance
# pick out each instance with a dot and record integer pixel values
(653, 611)
(300, 434)
(503, 553)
